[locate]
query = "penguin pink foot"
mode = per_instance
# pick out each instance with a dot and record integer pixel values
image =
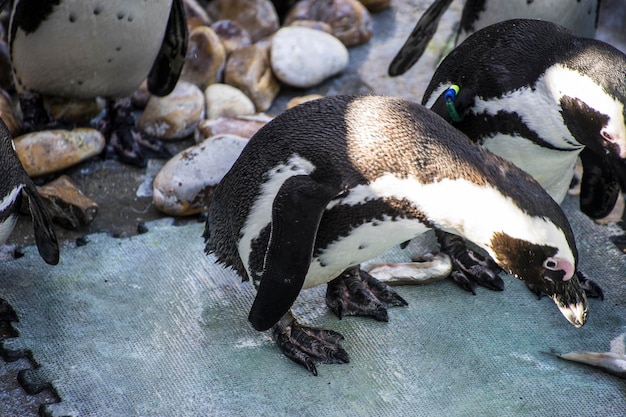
(357, 293)
(308, 345)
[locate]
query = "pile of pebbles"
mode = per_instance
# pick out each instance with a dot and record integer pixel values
(240, 54)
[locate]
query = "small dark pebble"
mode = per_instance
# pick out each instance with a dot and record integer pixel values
(18, 253)
(142, 228)
(620, 242)
(7, 313)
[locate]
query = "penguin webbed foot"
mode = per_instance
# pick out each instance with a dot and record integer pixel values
(592, 290)
(308, 346)
(34, 114)
(469, 268)
(129, 144)
(356, 292)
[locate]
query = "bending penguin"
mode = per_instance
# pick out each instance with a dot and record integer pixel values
(91, 48)
(15, 184)
(580, 16)
(333, 182)
(535, 94)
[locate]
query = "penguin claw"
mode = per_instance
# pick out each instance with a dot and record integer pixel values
(308, 345)
(130, 145)
(469, 268)
(357, 293)
(34, 115)
(592, 289)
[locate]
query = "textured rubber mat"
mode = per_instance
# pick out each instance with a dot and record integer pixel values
(150, 326)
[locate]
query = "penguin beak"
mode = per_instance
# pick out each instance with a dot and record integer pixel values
(571, 300)
(575, 313)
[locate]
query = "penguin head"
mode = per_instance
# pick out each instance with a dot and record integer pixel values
(596, 120)
(547, 268)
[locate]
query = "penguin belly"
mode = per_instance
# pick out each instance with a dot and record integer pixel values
(7, 216)
(362, 243)
(553, 169)
(88, 48)
(6, 227)
(367, 234)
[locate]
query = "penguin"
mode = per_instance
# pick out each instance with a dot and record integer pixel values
(539, 96)
(15, 185)
(92, 48)
(580, 16)
(336, 181)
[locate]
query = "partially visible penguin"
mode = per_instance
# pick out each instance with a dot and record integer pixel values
(92, 48)
(333, 182)
(15, 185)
(539, 96)
(580, 16)
(534, 93)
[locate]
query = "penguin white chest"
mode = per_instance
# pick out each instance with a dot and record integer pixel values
(553, 169)
(6, 204)
(89, 48)
(363, 243)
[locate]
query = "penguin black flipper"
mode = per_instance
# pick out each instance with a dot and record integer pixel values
(419, 38)
(599, 187)
(296, 214)
(46, 239)
(15, 181)
(171, 57)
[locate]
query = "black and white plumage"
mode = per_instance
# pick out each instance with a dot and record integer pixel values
(539, 96)
(331, 183)
(15, 184)
(92, 48)
(580, 16)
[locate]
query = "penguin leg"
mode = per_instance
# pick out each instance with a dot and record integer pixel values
(355, 292)
(129, 144)
(468, 267)
(34, 115)
(308, 346)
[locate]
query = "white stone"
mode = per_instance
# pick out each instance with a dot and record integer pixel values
(185, 184)
(223, 100)
(303, 57)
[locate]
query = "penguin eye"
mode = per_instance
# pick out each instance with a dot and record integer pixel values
(550, 264)
(606, 135)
